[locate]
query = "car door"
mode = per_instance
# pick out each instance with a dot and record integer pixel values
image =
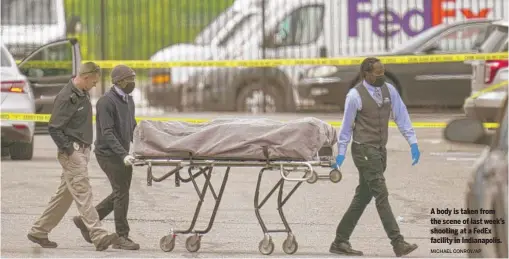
(49, 68)
(448, 83)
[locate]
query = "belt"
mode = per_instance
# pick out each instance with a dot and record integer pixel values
(368, 144)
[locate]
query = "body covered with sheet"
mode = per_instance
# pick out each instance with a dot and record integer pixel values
(234, 139)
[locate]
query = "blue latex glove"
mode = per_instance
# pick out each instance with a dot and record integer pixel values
(416, 154)
(339, 161)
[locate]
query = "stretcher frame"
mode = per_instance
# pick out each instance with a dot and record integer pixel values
(205, 167)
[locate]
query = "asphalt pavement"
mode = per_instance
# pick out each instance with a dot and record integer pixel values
(313, 212)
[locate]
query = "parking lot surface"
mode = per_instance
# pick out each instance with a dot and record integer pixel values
(438, 181)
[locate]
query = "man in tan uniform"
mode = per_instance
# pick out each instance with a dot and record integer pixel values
(70, 127)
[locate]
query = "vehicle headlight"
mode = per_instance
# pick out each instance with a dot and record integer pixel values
(322, 71)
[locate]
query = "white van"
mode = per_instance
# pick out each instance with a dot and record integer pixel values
(28, 24)
(209, 44)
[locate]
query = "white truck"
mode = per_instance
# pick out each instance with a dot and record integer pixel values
(29, 24)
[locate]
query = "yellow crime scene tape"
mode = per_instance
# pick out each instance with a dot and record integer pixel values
(346, 61)
(46, 117)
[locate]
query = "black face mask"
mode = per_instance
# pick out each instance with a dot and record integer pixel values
(379, 81)
(129, 87)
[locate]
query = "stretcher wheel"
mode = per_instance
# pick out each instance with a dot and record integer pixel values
(335, 176)
(167, 243)
(290, 245)
(266, 246)
(193, 243)
(313, 178)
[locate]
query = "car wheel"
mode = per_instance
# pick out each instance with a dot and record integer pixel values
(22, 151)
(250, 99)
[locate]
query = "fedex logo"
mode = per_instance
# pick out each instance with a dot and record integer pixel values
(433, 12)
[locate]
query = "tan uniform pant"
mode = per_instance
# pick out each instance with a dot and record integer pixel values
(74, 185)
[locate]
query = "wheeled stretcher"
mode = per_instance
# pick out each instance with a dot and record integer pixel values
(192, 151)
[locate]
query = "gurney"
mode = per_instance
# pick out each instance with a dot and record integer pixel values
(298, 146)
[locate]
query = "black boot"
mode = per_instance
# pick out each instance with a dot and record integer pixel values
(403, 248)
(343, 248)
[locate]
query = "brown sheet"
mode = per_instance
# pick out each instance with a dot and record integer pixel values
(240, 139)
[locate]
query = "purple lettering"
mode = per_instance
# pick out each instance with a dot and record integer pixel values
(397, 21)
(378, 25)
(354, 15)
(426, 18)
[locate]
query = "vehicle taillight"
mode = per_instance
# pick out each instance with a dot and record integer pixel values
(160, 79)
(13, 86)
(19, 126)
(491, 68)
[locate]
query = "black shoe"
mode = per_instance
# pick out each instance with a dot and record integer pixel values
(84, 230)
(343, 248)
(403, 248)
(110, 239)
(126, 244)
(43, 242)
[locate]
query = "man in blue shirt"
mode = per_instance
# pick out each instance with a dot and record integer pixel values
(368, 108)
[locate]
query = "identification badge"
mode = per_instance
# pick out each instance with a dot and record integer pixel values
(76, 146)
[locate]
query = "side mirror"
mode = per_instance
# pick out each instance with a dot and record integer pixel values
(74, 25)
(35, 72)
(268, 41)
(32, 72)
(466, 131)
(275, 39)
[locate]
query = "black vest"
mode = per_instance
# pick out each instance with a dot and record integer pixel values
(371, 125)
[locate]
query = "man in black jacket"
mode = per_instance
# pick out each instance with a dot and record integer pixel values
(115, 123)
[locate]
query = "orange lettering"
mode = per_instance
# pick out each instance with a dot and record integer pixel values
(439, 13)
(483, 13)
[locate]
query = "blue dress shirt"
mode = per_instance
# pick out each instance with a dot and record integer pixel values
(353, 104)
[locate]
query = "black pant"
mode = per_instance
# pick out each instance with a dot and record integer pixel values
(120, 177)
(371, 163)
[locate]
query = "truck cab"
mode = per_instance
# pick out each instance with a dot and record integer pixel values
(29, 24)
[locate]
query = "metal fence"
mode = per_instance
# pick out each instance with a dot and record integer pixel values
(186, 30)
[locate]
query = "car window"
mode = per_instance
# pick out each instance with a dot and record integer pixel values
(461, 39)
(303, 26)
(5, 61)
(28, 12)
(51, 60)
(496, 40)
(417, 42)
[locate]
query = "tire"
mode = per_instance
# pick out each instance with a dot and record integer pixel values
(274, 96)
(22, 151)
